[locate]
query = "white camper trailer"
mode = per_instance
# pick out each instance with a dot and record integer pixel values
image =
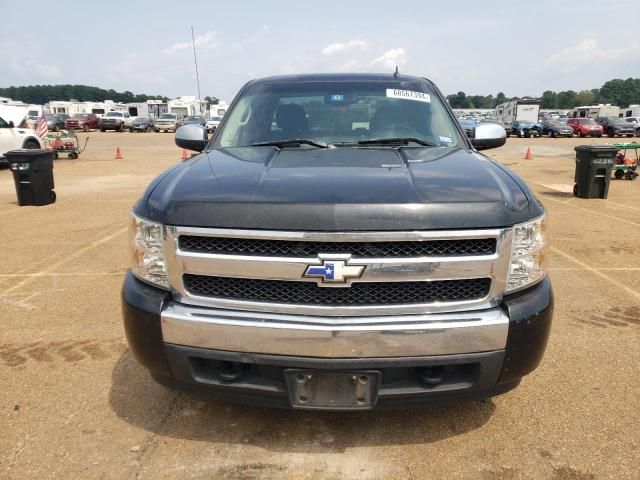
(525, 110)
(595, 111)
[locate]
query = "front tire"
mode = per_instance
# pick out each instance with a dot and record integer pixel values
(611, 133)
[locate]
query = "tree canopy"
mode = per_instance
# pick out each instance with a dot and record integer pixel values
(41, 94)
(616, 92)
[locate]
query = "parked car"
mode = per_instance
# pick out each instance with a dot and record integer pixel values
(117, 121)
(616, 126)
(635, 121)
(555, 128)
(584, 127)
(167, 122)
(194, 120)
(469, 126)
(82, 121)
(12, 138)
(523, 129)
(54, 122)
(141, 124)
(339, 282)
(212, 123)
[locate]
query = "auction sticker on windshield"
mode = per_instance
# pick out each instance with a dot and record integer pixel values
(408, 95)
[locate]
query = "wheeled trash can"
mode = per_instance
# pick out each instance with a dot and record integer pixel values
(33, 176)
(593, 170)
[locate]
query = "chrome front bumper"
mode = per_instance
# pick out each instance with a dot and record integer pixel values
(331, 337)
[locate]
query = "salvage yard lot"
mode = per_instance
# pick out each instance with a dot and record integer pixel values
(75, 404)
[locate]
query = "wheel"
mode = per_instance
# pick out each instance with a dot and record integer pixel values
(599, 135)
(618, 174)
(630, 135)
(575, 190)
(102, 129)
(85, 128)
(55, 155)
(73, 155)
(131, 130)
(52, 196)
(55, 128)
(552, 134)
(638, 132)
(611, 133)
(156, 131)
(31, 145)
(582, 134)
(630, 175)
(119, 128)
(166, 131)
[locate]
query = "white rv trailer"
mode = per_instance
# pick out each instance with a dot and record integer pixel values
(630, 111)
(148, 109)
(595, 111)
(525, 110)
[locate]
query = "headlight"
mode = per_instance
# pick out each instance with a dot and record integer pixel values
(145, 251)
(528, 254)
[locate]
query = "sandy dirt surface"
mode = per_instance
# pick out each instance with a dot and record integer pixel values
(75, 404)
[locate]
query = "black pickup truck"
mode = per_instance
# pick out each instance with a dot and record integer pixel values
(339, 244)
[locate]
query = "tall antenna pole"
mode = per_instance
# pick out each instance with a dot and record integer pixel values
(195, 61)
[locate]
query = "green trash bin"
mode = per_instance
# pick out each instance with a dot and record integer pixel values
(33, 176)
(593, 170)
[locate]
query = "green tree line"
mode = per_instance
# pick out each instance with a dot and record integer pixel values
(41, 94)
(616, 92)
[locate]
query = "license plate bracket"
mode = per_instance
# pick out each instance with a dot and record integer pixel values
(333, 390)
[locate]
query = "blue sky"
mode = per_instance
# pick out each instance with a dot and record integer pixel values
(478, 47)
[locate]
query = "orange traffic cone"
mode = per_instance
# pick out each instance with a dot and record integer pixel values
(185, 155)
(118, 154)
(529, 155)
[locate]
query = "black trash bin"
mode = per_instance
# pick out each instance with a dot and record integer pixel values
(33, 176)
(593, 170)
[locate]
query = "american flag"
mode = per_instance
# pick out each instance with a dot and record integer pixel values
(41, 129)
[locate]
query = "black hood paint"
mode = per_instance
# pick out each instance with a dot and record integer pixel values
(339, 189)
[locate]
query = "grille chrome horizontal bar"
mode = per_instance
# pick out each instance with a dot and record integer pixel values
(385, 269)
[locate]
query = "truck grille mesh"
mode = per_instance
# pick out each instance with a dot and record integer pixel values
(359, 294)
(288, 248)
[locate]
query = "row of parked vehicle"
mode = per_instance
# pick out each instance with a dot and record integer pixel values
(579, 127)
(121, 121)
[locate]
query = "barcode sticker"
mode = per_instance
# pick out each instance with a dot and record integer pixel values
(408, 95)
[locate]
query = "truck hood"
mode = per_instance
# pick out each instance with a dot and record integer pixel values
(339, 189)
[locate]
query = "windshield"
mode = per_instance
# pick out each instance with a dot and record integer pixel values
(113, 114)
(192, 119)
(141, 120)
(341, 113)
(80, 115)
(168, 115)
(215, 119)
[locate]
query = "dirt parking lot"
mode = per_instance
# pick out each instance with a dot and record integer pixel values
(75, 404)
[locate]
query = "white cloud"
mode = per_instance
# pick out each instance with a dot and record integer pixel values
(340, 47)
(206, 40)
(391, 58)
(589, 51)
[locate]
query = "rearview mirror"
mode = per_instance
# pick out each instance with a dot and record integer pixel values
(192, 137)
(489, 135)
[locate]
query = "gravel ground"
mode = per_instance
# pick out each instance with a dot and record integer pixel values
(75, 404)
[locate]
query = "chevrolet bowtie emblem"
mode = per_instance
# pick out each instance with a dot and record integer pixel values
(334, 271)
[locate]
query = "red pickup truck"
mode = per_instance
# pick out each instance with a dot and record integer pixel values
(82, 121)
(585, 127)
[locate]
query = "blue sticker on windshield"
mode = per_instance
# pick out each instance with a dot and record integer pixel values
(337, 98)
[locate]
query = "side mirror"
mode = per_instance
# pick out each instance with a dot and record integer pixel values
(11, 125)
(489, 135)
(192, 137)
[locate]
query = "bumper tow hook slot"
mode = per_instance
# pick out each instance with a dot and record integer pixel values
(432, 376)
(230, 371)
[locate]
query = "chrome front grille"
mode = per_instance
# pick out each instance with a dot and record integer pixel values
(418, 272)
(362, 294)
(288, 248)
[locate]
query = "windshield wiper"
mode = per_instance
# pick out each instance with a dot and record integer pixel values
(293, 142)
(397, 140)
